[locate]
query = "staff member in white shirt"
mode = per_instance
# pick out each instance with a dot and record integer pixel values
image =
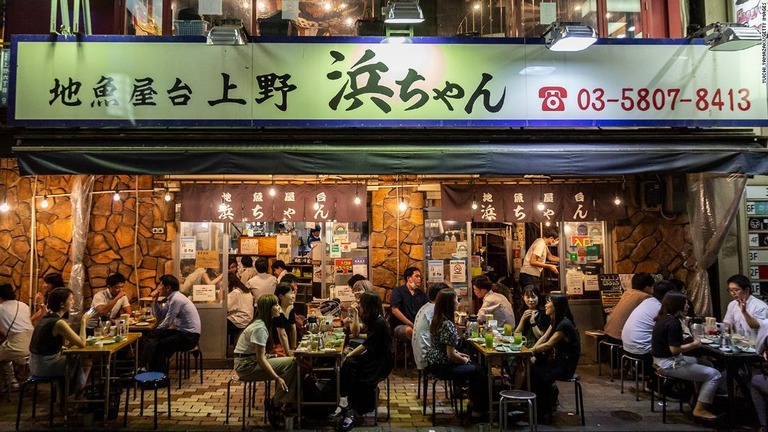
(110, 302)
(537, 256)
(745, 311)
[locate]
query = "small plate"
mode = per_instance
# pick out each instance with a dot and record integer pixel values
(107, 341)
(141, 324)
(725, 349)
(478, 340)
(502, 348)
(706, 341)
(749, 350)
(329, 349)
(300, 350)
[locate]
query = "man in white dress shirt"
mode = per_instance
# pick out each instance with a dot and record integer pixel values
(263, 282)
(745, 311)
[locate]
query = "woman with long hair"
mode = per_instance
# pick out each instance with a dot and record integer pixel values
(251, 362)
(285, 323)
(668, 345)
(360, 287)
(445, 361)
(562, 337)
(533, 323)
(371, 361)
(48, 338)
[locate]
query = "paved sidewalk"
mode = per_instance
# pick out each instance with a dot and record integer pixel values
(199, 407)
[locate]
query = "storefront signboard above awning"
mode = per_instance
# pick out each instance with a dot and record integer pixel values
(290, 203)
(532, 203)
(360, 82)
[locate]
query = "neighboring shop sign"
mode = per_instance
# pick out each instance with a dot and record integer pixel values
(253, 203)
(341, 82)
(757, 227)
(520, 203)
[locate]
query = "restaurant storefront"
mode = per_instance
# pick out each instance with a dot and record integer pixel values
(588, 134)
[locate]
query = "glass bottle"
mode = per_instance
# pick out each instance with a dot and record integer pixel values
(472, 328)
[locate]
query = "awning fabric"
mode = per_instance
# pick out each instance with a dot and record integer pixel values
(71, 156)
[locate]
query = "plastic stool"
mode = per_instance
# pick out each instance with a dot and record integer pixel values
(612, 346)
(154, 380)
(661, 382)
(34, 381)
(517, 396)
(576, 380)
(639, 371)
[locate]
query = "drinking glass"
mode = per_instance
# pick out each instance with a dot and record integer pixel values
(507, 329)
(518, 338)
(489, 340)
(105, 328)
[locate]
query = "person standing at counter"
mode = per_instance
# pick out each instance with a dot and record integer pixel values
(537, 256)
(405, 301)
(279, 270)
(178, 329)
(263, 283)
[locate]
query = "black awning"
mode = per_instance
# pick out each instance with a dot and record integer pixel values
(38, 155)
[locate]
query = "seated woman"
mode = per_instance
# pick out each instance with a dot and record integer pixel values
(51, 330)
(285, 323)
(668, 346)
(370, 362)
(562, 337)
(360, 287)
(759, 384)
(251, 363)
(534, 322)
(446, 362)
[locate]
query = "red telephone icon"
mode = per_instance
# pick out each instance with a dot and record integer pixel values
(552, 98)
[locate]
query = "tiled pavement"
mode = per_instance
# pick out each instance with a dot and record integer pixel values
(202, 408)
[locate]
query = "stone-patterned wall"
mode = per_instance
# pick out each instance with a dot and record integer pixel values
(386, 216)
(110, 242)
(647, 242)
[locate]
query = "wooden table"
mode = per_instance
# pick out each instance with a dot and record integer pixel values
(489, 356)
(131, 339)
(334, 353)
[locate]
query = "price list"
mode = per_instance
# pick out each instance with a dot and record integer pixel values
(757, 234)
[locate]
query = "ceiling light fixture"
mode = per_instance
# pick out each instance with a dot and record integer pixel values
(729, 36)
(402, 12)
(569, 36)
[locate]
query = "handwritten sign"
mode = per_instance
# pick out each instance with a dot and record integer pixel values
(207, 259)
(443, 249)
(204, 293)
(248, 245)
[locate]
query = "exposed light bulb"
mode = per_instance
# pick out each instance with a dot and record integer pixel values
(403, 206)
(476, 6)
(4, 207)
(357, 200)
(474, 205)
(316, 206)
(222, 207)
(547, 223)
(617, 201)
(116, 196)
(44, 202)
(272, 191)
(167, 196)
(541, 206)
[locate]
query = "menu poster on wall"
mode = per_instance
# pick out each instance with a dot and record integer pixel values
(609, 281)
(435, 271)
(343, 265)
(591, 283)
(207, 259)
(203, 293)
(574, 283)
(360, 266)
(443, 249)
(610, 291)
(458, 271)
(187, 247)
(626, 280)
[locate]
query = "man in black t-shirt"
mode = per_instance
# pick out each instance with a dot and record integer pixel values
(405, 301)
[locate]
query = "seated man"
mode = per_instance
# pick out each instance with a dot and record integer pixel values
(745, 311)
(636, 335)
(642, 287)
(263, 282)
(110, 302)
(16, 328)
(493, 303)
(405, 301)
(178, 328)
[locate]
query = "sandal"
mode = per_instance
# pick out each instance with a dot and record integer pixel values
(348, 422)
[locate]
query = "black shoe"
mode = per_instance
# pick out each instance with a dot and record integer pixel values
(348, 422)
(340, 412)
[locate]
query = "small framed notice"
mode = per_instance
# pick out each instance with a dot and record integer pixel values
(207, 259)
(248, 245)
(204, 293)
